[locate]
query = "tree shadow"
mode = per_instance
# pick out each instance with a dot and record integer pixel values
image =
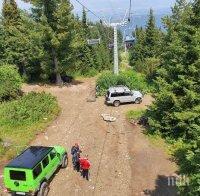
(164, 187)
(76, 82)
(51, 84)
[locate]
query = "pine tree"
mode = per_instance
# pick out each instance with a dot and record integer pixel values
(58, 22)
(84, 19)
(10, 13)
(137, 54)
(151, 36)
(20, 45)
(176, 109)
(144, 56)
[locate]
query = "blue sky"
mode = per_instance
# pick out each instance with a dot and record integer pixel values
(113, 6)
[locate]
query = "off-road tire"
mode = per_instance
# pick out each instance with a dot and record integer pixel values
(44, 189)
(116, 103)
(138, 100)
(64, 161)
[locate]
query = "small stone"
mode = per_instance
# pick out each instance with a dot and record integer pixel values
(6, 143)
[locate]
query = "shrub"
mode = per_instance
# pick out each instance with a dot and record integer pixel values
(10, 82)
(31, 108)
(148, 67)
(21, 119)
(130, 79)
(188, 158)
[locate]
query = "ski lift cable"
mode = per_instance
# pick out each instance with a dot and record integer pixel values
(100, 18)
(130, 7)
(89, 10)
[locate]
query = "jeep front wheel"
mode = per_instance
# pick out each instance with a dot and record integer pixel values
(44, 189)
(116, 103)
(64, 161)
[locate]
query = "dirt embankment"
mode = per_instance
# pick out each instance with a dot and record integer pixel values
(123, 160)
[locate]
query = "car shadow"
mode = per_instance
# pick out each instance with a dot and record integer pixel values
(121, 104)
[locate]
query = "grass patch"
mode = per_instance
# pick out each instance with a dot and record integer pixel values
(124, 64)
(134, 114)
(22, 119)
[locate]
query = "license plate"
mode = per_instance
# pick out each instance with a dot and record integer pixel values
(20, 193)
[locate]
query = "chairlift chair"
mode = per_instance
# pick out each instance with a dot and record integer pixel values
(111, 45)
(94, 41)
(129, 41)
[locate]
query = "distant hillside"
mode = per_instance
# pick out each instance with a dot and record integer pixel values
(139, 18)
(141, 21)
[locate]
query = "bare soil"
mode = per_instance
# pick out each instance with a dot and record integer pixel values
(123, 160)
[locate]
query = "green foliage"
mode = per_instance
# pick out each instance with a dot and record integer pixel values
(130, 79)
(10, 13)
(135, 114)
(188, 157)
(10, 82)
(31, 108)
(175, 112)
(148, 67)
(21, 119)
(145, 54)
(50, 42)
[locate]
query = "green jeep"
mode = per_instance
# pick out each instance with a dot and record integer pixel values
(28, 173)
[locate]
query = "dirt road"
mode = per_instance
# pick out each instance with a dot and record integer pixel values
(123, 160)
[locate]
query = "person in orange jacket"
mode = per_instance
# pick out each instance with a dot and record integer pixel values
(85, 166)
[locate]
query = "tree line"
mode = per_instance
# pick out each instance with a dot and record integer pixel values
(171, 59)
(50, 41)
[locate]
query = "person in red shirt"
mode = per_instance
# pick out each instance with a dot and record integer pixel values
(85, 166)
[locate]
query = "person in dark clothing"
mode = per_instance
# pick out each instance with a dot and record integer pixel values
(75, 152)
(85, 166)
(76, 162)
(75, 149)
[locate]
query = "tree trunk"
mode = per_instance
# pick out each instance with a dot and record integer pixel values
(24, 73)
(56, 69)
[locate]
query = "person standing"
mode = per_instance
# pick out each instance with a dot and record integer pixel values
(75, 149)
(85, 166)
(75, 152)
(76, 163)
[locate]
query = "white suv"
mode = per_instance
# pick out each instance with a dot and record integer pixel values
(122, 94)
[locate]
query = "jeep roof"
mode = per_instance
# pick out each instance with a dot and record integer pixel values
(119, 88)
(30, 157)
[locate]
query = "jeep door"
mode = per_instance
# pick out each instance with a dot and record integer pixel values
(54, 160)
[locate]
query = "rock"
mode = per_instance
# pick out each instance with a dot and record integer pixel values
(6, 143)
(108, 118)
